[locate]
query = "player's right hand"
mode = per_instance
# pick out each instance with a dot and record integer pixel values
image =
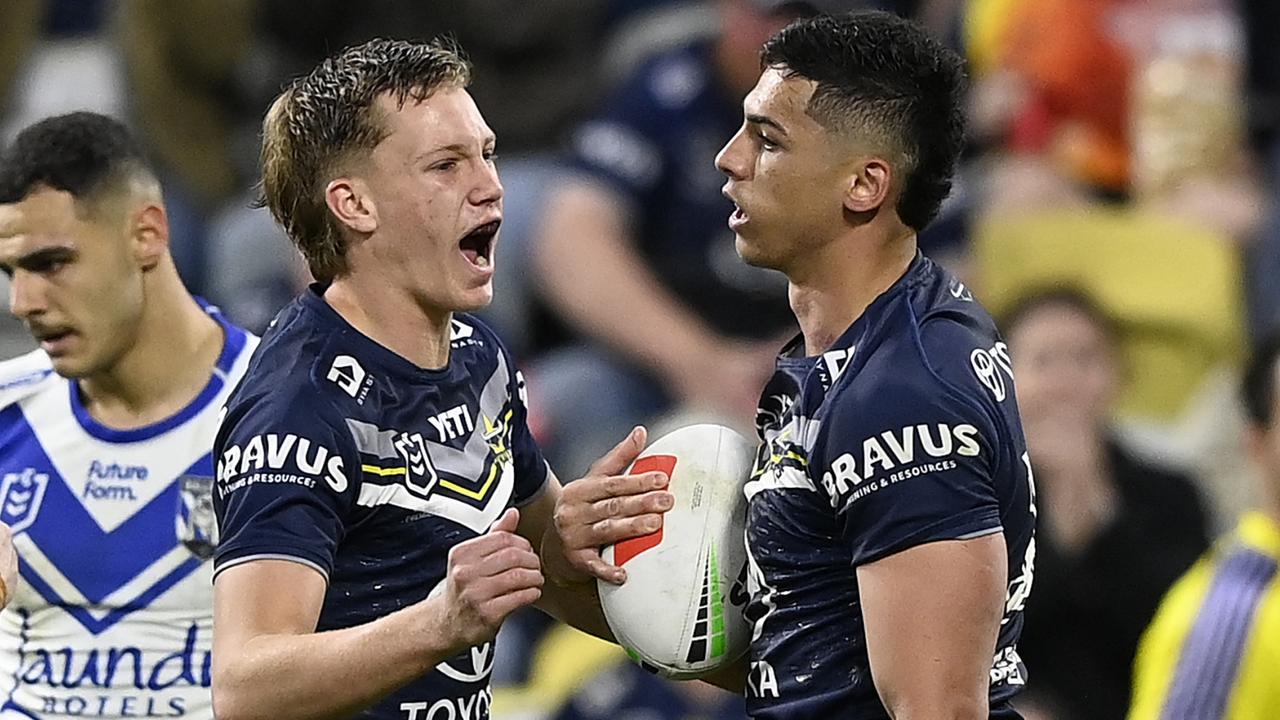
(606, 507)
(489, 577)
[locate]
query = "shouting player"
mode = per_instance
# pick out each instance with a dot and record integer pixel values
(890, 528)
(105, 433)
(370, 465)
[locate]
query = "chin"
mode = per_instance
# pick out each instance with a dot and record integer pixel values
(752, 254)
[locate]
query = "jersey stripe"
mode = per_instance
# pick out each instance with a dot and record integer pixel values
(1211, 654)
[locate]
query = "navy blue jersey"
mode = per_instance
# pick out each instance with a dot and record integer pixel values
(905, 432)
(341, 455)
(652, 144)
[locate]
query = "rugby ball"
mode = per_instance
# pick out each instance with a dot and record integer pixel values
(680, 612)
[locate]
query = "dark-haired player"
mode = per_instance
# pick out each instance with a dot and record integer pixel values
(370, 464)
(891, 513)
(105, 435)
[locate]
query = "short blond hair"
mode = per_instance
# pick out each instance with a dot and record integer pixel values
(324, 118)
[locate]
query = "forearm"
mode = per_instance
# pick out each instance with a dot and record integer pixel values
(593, 276)
(331, 674)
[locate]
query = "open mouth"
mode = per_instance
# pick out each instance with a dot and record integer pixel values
(477, 245)
(51, 340)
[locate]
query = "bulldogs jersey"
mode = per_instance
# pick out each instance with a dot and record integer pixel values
(114, 529)
(343, 456)
(905, 432)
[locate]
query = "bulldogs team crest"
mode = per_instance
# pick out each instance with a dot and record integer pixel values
(20, 497)
(197, 529)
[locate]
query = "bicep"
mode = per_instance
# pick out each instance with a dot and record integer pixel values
(932, 615)
(264, 597)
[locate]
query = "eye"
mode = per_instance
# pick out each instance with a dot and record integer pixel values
(490, 156)
(765, 142)
(445, 166)
(49, 266)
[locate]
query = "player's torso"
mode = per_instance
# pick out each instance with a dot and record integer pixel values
(436, 469)
(113, 614)
(809, 656)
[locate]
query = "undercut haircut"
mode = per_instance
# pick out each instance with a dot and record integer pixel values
(325, 118)
(883, 80)
(88, 155)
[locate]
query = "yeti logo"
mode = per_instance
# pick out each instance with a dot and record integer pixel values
(347, 374)
(20, 497)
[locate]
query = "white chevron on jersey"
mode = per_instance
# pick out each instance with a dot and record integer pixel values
(113, 614)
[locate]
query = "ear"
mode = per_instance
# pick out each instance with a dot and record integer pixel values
(869, 185)
(150, 235)
(349, 201)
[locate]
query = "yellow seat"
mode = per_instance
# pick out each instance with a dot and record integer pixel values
(1174, 288)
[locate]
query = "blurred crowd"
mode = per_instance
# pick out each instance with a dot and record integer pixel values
(1118, 210)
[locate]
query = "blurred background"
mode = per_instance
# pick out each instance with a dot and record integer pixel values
(1117, 210)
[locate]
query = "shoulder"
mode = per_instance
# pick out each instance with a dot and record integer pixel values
(296, 379)
(25, 375)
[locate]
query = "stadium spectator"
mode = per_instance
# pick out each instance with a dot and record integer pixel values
(1213, 651)
(1115, 530)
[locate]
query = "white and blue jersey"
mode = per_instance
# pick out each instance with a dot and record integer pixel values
(114, 530)
(338, 454)
(905, 432)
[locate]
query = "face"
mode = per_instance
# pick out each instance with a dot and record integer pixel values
(437, 199)
(73, 279)
(1065, 365)
(787, 176)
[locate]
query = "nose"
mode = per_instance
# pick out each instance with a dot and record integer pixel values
(26, 300)
(732, 160)
(489, 188)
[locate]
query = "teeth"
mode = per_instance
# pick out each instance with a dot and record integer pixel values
(482, 261)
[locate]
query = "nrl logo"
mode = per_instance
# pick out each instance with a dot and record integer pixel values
(20, 496)
(420, 474)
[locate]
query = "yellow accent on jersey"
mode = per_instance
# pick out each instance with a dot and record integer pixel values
(1255, 688)
(375, 470)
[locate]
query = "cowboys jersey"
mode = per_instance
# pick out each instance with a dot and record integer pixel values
(905, 432)
(338, 454)
(114, 530)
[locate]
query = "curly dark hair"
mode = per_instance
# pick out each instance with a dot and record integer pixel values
(82, 153)
(322, 118)
(883, 78)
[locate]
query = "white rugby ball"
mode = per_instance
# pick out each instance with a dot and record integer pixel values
(679, 613)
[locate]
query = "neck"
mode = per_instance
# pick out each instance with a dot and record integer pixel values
(842, 279)
(147, 384)
(392, 318)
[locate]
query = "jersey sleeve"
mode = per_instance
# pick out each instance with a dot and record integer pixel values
(530, 465)
(908, 461)
(286, 481)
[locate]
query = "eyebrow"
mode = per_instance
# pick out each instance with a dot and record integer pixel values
(766, 120)
(459, 148)
(40, 257)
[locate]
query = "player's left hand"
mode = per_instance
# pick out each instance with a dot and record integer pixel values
(601, 508)
(8, 566)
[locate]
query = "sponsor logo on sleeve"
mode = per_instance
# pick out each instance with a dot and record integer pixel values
(896, 455)
(992, 368)
(347, 373)
(279, 458)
